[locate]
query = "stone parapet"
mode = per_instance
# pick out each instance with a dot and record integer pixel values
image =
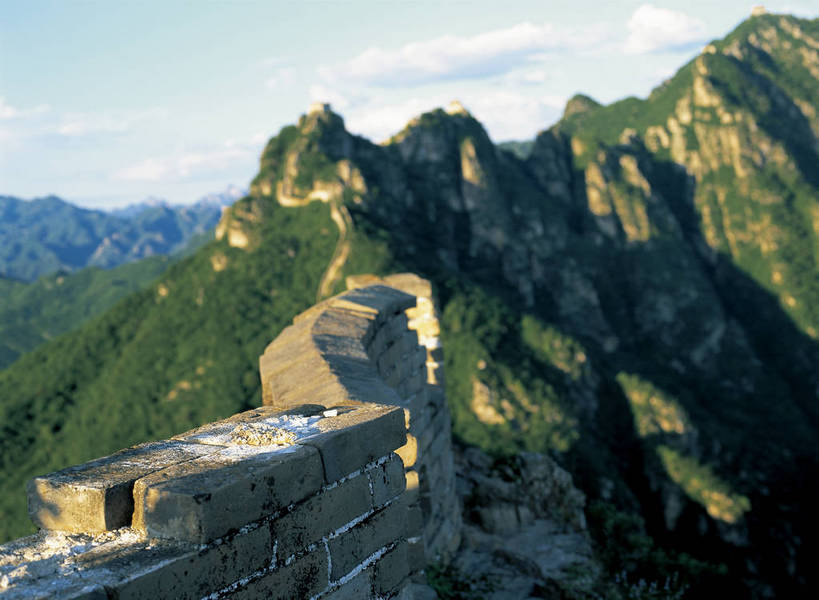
(407, 353)
(340, 486)
(268, 503)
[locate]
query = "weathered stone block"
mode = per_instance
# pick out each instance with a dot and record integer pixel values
(312, 312)
(96, 496)
(92, 592)
(291, 360)
(377, 299)
(416, 382)
(354, 438)
(371, 390)
(381, 338)
(221, 432)
(398, 325)
(436, 395)
(292, 343)
(411, 284)
(399, 355)
(75, 592)
(358, 588)
(303, 578)
(417, 591)
(344, 323)
(388, 480)
(377, 531)
(392, 377)
(299, 379)
(436, 437)
(421, 411)
(391, 570)
(414, 517)
(320, 389)
(341, 364)
(416, 559)
(320, 515)
(420, 419)
(332, 396)
(206, 498)
(199, 572)
(420, 358)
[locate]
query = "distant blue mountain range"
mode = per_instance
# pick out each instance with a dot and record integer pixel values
(45, 235)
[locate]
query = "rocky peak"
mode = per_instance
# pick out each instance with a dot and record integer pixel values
(456, 108)
(304, 161)
(438, 137)
(319, 107)
(579, 103)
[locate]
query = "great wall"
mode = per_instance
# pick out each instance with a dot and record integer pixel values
(341, 485)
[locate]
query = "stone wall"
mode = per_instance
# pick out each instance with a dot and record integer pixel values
(380, 334)
(340, 486)
(428, 453)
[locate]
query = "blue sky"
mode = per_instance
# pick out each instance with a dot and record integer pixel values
(105, 103)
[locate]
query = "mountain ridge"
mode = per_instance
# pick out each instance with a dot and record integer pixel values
(45, 235)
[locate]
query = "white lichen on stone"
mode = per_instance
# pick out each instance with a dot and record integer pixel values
(50, 561)
(284, 430)
(260, 435)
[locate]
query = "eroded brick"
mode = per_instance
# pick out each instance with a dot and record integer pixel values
(320, 515)
(351, 548)
(96, 496)
(206, 498)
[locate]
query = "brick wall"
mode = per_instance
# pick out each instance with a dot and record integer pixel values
(383, 331)
(340, 486)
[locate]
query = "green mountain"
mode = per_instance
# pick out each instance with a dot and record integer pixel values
(637, 297)
(46, 235)
(32, 313)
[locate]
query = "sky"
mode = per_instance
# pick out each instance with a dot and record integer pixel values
(107, 103)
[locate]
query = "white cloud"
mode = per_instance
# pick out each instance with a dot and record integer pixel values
(505, 114)
(180, 166)
(319, 92)
(528, 76)
(510, 115)
(378, 120)
(185, 165)
(79, 124)
(461, 57)
(10, 112)
(654, 29)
